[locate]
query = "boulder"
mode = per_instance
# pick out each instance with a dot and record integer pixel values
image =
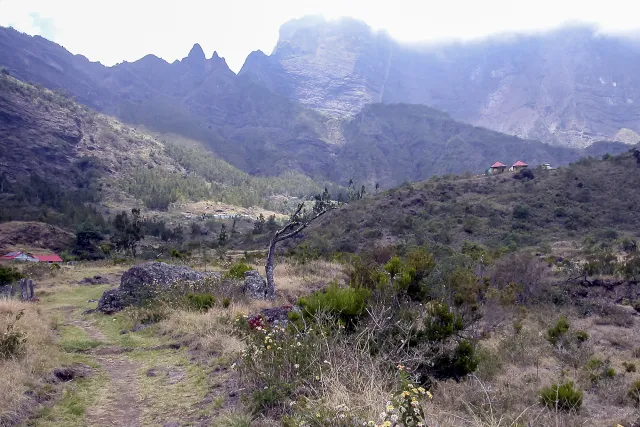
(146, 281)
(255, 286)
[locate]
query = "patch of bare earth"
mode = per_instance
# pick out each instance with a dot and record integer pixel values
(120, 406)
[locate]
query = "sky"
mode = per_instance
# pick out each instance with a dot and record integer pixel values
(125, 30)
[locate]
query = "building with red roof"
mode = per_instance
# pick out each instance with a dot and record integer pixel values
(23, 256)
(497, 168)
(518, 166)
(48, 258)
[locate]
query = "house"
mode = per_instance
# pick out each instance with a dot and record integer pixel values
(23, 256)
(518, 166)
(48, 258)
(547, 166)
(497, 168)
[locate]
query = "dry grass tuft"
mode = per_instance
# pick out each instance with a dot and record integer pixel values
(211, 332)
(295, 280)
(21, 374)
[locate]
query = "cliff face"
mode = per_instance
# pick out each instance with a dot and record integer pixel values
(569, 87)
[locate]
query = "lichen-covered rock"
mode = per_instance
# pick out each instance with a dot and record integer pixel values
(255, 286)
(111, 301)
(147, 281)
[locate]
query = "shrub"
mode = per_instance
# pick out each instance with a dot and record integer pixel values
(459, 363)
(558, 330)
(629, 367)
(201, 302)
(226, 302)
(9, 275)
(582, 336)
(237, 270)
(441, 323)
(562, 396)
(393, 267)
(348, 303)
(12, 342)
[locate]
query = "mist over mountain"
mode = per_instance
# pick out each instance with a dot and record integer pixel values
(334, 101)
(569, 86)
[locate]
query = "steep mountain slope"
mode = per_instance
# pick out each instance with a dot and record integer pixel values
(262, 133)
(202, 99)
(569, 203)
(569, 87)
(393, 143)
(56, 156)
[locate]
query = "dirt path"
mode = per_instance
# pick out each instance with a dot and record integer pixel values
(120, 405)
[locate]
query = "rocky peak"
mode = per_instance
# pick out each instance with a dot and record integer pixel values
(196, 55)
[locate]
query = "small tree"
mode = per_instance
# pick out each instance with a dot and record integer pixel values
(258, 225)
(297, 222)
(128, 231)
(222, 237)
(88, 239)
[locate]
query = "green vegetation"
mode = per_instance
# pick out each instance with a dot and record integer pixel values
(237, 270)
(558, 330)
(9, 275)
(346, 303)
(562, 396)
(11, 341)
(201, 302)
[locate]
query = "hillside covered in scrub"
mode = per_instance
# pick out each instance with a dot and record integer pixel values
(593, 196)
(61, 161)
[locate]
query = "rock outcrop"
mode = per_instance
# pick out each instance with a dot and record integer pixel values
(255, 286)
(147, 281)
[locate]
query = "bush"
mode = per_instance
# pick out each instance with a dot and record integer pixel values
(9, 275)
(348, 303)
(441, 323)
(12, 342)
(556, 332)
(582, 336)
(201, 302)
(629, 367)
(237, 270)
(562, 396)
(459, 363)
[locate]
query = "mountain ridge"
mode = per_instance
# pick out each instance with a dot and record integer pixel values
(568, 86)
(263, 133)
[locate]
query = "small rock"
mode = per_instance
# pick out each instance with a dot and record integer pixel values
(124, 332)
(153, 372)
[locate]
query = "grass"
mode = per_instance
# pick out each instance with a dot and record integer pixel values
(175, 390)
(41, 354)
(75, 340)
(78, 396)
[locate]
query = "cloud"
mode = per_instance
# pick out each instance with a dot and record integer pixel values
(120, 30)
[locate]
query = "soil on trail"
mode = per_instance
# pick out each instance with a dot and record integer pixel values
(122, 405)
(122, 399)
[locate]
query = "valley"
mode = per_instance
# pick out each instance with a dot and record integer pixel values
(349, 231)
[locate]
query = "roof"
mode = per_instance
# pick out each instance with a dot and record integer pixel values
(498, 165)
(48, 258)
(519, 163)
(11, 255)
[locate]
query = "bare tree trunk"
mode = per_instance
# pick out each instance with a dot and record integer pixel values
(295, 226)
(269, 268)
